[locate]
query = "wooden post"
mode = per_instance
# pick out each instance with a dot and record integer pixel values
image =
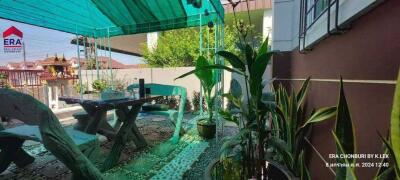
(128, 117)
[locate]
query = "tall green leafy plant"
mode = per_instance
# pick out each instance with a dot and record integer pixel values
(208, 80)
(251, 66)
(292, 127)
(254, 111)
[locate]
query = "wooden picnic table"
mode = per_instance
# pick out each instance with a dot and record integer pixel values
(127, 110)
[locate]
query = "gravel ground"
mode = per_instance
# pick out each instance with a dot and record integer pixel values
(197, 170)
(154, 128)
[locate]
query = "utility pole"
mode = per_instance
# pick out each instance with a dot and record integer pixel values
(23, 52)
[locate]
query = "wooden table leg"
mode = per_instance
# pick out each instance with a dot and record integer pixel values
(128, 117)
(97, 116)
(135, 131)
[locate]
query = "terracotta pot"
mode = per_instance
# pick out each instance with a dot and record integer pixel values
(206, 129)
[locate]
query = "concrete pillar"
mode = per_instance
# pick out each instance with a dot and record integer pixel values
(152, 40)
(56, 97)
(267, 32)
(267, 24)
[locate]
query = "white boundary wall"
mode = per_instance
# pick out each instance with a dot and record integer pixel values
(155, 75)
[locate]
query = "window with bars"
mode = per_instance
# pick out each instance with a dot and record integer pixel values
(310, 12)
(315, 9)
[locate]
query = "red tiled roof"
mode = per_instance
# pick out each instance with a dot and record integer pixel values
(104, 62)
(12, 30)
(135, 66)
(30, 65)
(53, 61)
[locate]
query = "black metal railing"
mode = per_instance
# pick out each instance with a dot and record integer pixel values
(310, 14)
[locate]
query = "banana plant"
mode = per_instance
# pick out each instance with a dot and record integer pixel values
(208, 80)
(251, 65)
(293, 126)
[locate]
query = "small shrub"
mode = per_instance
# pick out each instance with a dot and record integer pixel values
(78, 87)
(99, 85)
(188, 106)
(196, 102)
(171, 101)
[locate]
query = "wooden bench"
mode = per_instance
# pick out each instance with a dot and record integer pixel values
(87, 143)
(69, 146)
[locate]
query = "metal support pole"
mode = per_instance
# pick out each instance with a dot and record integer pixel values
(201, 53)
(96, 59)
(109, 58)
(79, 66)
(86, 59)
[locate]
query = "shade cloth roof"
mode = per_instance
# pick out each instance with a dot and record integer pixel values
(94, 18)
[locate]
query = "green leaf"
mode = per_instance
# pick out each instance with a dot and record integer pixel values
(343, 172)
(205, 75)
(219, 66)
(235, 100)
(249, 55)
(229, 117)
(344, 130)
(233, 60)
(392, 154)
(264, 47)
(386, 174)
(303, 92)
(256, 74)
(210, 67)
(235, 89)
(395, 125)
(282, 149)
(268, 98)
(187, 74)
(304, 173)
(321, 115)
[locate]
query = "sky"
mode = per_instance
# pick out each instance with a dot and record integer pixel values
(40, 42)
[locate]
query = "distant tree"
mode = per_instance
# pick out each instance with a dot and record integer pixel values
(177, 48)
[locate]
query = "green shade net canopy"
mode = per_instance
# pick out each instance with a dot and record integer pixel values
(102, 18)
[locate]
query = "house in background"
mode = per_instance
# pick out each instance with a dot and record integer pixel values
(356, 39)
(103, 63)
(260, 13)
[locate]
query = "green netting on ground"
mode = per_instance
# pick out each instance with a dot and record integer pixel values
(150, 162)
(118, 17)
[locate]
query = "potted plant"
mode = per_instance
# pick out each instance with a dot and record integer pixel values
(99, 85)
(206, 127)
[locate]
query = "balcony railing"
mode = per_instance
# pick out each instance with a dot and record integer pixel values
(310, 12)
